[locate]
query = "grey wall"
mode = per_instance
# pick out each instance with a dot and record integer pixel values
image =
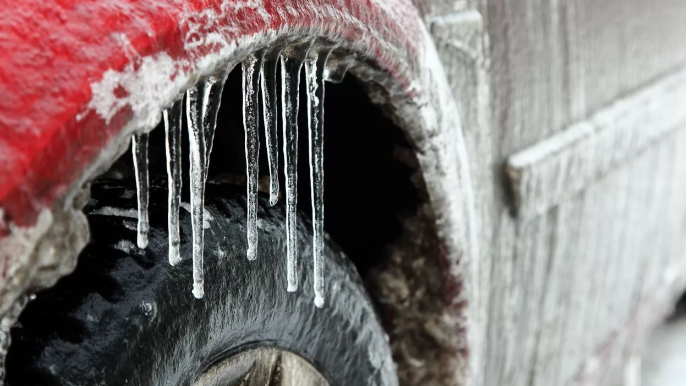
(569, 292)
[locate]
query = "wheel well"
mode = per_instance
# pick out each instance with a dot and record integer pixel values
(376, 209)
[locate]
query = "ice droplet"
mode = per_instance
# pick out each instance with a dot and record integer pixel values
(173, 153)
(250, 112)
(290, 72)
(314, 73)
(197, 171)
(140, 150)
(269, 90)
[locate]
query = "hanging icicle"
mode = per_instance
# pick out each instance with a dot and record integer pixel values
(269, 91)
(140, 150)
(173, 153)
(197, 171)
(203, 102)
(314, 70)
(290, 72)
(250, 111)
(213, 91)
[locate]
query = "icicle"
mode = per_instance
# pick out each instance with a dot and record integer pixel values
(197, 173)
(250, 96)
(140, 150)
(314, 71)
(290, 72)
(269, 89)
(173, 153)
(213, 91)
(203, 102)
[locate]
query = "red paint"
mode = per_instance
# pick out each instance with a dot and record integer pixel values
(52, 51)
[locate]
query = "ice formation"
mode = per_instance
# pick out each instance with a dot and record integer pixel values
(250, 111)
(314, 70)
(269, 91)
(140, 153)
(213, 92)
(173, 153)
(201, 104)
(197, 171)
(291, 66)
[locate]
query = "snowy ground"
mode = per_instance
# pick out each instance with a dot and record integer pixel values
(664, 361)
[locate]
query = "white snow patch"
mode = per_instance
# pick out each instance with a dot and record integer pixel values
(220, 252)
(144, 90)
(127, 194)
(124, 246)
(207, 215)
(110, 211)
(150, 309)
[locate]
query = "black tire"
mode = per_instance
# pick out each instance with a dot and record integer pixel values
(126, 317)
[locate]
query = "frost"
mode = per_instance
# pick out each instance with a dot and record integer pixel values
(250, 112)
(140, 153)
(143, 89)
(6, 323)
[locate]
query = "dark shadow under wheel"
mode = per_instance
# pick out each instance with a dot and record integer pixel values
(126, 317)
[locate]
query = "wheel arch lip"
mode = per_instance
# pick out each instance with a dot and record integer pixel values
(79, 79)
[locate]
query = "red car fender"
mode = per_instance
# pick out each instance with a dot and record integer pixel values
(79, 77)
